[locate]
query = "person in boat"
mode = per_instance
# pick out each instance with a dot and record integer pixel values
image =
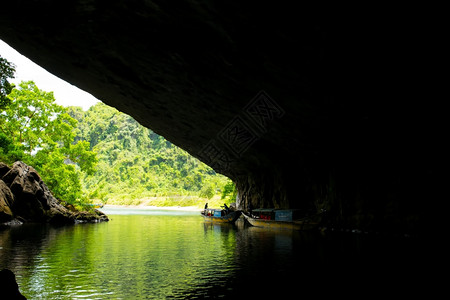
(226, 208)
(205, 210)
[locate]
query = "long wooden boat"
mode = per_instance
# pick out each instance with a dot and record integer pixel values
(283, 222)
(220, 215)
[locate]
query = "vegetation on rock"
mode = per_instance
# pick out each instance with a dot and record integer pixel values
(24, 197)
(36, 130)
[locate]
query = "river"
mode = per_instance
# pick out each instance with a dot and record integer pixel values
(167, 254)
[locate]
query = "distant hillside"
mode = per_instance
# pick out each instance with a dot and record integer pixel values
(135, 163)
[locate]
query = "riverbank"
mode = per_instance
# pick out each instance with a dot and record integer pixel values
(151, 207)
(187, 202)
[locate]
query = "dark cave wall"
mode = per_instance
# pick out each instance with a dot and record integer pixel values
(321, 135)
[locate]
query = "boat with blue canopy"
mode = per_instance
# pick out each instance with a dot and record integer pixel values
(220, 215)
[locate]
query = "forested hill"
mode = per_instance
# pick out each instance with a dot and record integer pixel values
(135, 163)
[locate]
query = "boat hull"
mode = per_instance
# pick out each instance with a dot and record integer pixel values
(229, 218)
(294, 225)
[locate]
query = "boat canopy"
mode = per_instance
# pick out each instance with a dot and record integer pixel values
(276, 214)
(216, 212)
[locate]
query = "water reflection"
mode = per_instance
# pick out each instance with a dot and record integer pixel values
(177, 255)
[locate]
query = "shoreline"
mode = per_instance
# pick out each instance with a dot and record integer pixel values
(152, 207)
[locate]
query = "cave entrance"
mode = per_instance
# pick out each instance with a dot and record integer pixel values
(134, 165)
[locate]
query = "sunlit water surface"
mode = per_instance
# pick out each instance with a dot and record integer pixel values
(146, 254)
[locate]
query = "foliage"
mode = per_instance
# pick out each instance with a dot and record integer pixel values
(208, 191)
(29, 119)
(136, 164)
(229, 191)
(7, 70)
(99, 154)
(9, 152)
(38, 131)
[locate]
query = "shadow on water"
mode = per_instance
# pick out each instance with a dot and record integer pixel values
(178, 256)
(20, 245)
(276, 263)
(26, 249)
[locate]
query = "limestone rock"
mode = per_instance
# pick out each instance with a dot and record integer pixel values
(6, 199)
(31, 200)
(25, 196)
(337, 128)
(10, 288)
(3, 169)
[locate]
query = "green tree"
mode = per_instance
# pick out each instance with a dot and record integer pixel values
(135, 161)
(45, 133)
(9, 152)
(229, 191)
(29, 119)
(7, 71)
(207, 191)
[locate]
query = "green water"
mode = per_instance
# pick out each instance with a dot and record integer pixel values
(151, 254)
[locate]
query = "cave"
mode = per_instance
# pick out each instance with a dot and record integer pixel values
(300, 109)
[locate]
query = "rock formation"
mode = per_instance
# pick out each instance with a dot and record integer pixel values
(24, 197)
(9, 287)
(329, 131)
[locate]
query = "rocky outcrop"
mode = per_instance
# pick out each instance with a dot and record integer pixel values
(342, 125)
(6, 200)
(9, 287)
(26, 198)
